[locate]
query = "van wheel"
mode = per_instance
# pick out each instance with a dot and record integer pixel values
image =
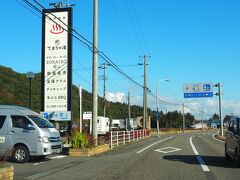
(227, 157)
(237, 159)
(20, 154)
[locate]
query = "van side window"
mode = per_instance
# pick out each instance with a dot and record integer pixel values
(2, 120)
(20, 122)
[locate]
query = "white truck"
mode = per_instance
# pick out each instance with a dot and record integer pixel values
(103, 125)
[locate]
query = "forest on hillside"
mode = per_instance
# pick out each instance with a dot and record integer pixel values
(15, 86)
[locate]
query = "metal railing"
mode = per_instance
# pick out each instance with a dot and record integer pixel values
(122, 137)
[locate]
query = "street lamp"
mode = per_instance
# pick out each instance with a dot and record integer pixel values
(30, 76)
(157, 113)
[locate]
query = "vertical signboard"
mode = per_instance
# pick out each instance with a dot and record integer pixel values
(57, 63)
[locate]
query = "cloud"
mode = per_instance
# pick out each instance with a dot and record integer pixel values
(116, 97)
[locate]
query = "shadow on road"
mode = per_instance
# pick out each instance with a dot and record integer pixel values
(216, 161)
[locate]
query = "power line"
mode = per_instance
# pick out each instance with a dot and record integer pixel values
(101, 54)
(140, 27)
(88, 43)
(124, 28)
(133, 27)
(28, 9)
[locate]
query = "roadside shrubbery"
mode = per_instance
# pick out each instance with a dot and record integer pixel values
(81, 140)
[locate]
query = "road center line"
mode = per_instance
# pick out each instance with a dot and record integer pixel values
(154, 144)
(199, 158)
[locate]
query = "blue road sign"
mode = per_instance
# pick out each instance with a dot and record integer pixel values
(198, 95)
(198, 90)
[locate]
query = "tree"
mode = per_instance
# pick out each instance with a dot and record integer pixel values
(216, 117)
(189, 119)
(227, 118)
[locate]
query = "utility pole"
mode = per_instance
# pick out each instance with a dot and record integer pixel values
(219, 94)
(30, 76)
(202, 120)
(104, 67)
(145, 90)
(80, 109)
(95, 73)
(183, 117)
(104, 89)
(129, 108)
(60, 4)
(145, 115)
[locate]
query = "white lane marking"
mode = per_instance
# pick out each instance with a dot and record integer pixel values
(154, 144)
(213, 136)
(200, 160)
(52, 158)
(57, 157)
(35, 164)
(168, 150)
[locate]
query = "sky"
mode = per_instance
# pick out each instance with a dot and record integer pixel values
(186, 41)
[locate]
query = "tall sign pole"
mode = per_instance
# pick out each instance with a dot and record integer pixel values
(95, 72)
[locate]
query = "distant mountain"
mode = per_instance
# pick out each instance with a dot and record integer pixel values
(14, 91)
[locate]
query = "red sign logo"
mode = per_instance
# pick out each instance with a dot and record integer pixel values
(56, 29)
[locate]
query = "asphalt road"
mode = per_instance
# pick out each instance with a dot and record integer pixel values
(179, 156)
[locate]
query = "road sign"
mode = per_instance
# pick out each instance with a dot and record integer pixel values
(198, 90)
(57, 61)
(87, 115)
(57, 116)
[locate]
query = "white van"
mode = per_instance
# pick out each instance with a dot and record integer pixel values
(25, 133)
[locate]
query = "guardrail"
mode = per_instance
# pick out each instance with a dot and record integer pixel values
(122, 137)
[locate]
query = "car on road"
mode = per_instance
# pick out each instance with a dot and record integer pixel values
(232, 142)
(25, 133)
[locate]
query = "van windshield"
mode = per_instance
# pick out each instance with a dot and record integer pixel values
(41, 122)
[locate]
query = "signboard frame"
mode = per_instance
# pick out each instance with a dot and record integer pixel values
(69, 56)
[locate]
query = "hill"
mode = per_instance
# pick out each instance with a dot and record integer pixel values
(14, 91)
